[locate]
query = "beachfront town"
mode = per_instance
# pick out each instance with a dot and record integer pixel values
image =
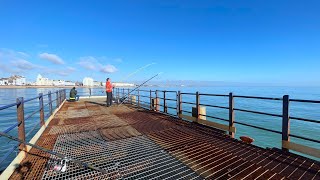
(17, 80)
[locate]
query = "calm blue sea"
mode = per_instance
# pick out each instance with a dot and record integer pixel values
(262, 138)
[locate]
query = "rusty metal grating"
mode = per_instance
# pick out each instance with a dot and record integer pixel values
(131, 158)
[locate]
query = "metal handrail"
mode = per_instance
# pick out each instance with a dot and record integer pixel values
(257, 127)
(183, 102)
(189, 93)
(222, 119)
(167, 91)
(33, 128)
(257, 97)
(9, 106)
(12, 127)
(304, 138)
(170, 107)
(31, 99)
(257, 112)
(31, 114)
(186, 111)
(207, 105)
(220, 95)
(305, 101)
(304, 119)
(171, 99)
(145, 96)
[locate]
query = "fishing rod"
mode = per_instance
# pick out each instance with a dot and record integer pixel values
(85, 165)
(139, 87)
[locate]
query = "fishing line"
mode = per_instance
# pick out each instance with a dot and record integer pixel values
(139, 87)
(136, 71)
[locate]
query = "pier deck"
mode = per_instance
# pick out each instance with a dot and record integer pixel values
(141, 144)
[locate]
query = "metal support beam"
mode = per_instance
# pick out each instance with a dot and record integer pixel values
(165, 109)
(138, 98)
(231, 114)
(57, 99)
(179, 106)
(20, 118)
(151, 100)
(50, 102)
(41, 109)
(198, 104)
(285, 121)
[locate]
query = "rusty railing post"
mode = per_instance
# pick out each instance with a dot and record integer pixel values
(50, 102)
(231, 114)
(41, 109)
(20, 118)
(122, 92)
(179, 106)
(157, 101)
(57, 98)
(285, 121)
(138, 98)
(150, 100)
(198, 105)
(165, 110)
(117, 91)
(61, 96)
(129, 99)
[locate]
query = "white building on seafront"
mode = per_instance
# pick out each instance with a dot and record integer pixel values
(14, 80)
(58, 82)
(87, 81)
(69, 83)
(119, 84)
(97, 83)
(4, 81)
(42, 81)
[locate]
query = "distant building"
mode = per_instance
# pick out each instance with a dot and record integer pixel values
(69, 83)
(4, 81)
(58, 82)
(78, 83)
(15, 80)
(41, 81)
(87, 81)
(118, 84)
(97, 83)
(20, 80)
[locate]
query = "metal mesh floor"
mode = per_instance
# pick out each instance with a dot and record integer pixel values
(132, 158)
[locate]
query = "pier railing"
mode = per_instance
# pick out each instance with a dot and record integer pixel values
(53, 100)
(157, 100)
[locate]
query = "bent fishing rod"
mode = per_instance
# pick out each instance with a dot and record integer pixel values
(139, 87)
(85, 165)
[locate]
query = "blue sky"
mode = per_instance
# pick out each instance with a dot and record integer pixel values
(265, 41)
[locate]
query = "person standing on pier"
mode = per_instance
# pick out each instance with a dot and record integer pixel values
(109, 92)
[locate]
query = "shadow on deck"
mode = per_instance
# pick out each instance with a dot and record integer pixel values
(133, 144)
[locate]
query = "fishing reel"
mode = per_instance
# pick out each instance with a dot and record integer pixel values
(59, 166)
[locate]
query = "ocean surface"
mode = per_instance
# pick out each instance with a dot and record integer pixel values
(262, 138)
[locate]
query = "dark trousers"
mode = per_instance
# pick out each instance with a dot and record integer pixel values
(109, 98)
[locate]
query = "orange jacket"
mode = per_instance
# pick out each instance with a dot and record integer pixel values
(109, 87)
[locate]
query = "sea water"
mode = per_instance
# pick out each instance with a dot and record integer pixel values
(262, 138)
